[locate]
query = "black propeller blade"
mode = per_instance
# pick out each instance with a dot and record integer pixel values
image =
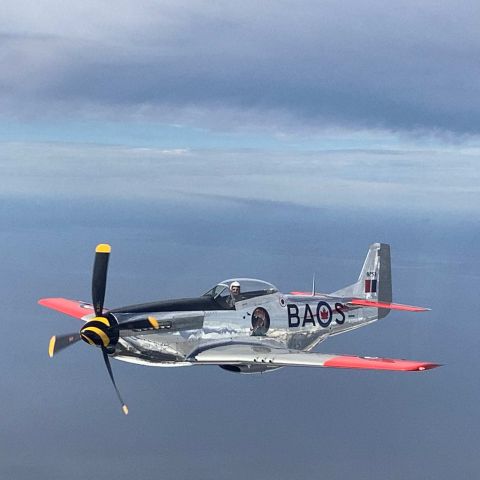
(109, 368)
(99, 279)
(59, 342)
(102, 330)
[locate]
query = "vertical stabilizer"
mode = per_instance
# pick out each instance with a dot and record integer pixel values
(375, 279)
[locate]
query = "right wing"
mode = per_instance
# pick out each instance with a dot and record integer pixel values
(237, 354)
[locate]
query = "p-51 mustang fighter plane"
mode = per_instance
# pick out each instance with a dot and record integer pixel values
(242, 325)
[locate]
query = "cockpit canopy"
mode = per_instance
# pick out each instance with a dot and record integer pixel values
(249, 288)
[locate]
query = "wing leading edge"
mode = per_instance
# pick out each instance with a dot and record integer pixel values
(277, 357)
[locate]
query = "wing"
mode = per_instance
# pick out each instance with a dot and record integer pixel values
(74, 308)
(276, 357)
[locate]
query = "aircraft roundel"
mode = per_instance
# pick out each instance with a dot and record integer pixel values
(324, 314)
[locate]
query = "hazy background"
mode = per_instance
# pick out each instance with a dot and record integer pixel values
(211, 140)
(61, 417)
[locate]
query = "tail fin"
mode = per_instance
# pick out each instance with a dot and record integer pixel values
(375, 280)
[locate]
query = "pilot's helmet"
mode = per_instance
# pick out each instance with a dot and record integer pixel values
(235, 287)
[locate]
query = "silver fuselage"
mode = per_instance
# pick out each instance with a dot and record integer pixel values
(295, 322)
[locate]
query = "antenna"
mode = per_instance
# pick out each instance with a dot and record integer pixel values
(313, 285)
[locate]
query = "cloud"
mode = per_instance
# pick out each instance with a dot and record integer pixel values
(363, 65)
(390, 181)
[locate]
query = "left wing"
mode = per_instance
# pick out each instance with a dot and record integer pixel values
(74, 308)
(236, 354)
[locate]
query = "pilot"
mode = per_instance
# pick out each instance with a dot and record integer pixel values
(235, 288)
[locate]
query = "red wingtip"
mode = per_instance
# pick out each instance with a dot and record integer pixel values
(74, 308)
(374, 363)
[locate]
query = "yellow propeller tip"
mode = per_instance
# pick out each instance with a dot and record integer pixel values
(51, 346)
(153, 322)
(125, 409)
(103, 248)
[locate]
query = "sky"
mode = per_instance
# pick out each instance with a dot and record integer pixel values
(275, 69)
(207, 140)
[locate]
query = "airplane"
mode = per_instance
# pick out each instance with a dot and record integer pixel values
(243, 325)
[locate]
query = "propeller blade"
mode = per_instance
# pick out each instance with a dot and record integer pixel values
(99, 279)
(109, 368)
(59, 342)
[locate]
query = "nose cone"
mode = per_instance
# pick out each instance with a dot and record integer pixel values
(97, 332)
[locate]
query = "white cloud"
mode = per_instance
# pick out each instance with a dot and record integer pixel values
(419, 182)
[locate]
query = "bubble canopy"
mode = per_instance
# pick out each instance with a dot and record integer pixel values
(249, 288)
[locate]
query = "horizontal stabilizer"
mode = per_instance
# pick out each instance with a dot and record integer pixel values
(74, 308)
(237, 354)
(390, 306)
(361, 302)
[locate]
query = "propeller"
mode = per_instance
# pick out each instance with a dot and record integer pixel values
(59, 342)
(103, 329)
(109, 368)
(99, 279)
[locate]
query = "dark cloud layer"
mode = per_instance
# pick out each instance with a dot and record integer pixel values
(402, 66)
